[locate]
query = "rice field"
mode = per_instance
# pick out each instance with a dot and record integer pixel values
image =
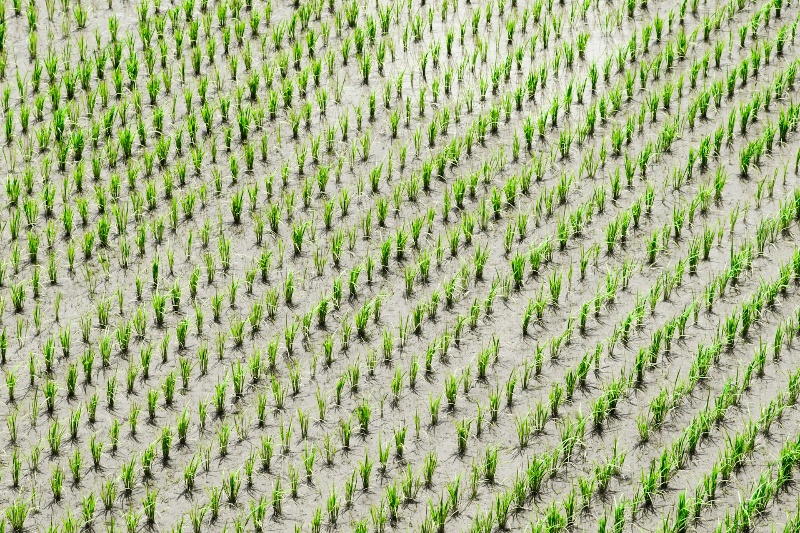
(409, 265)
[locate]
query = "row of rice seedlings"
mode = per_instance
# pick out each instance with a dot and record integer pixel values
(732, 458)
(700, 366)
(729, 396)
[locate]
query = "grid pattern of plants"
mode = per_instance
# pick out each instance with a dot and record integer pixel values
(399, 265)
